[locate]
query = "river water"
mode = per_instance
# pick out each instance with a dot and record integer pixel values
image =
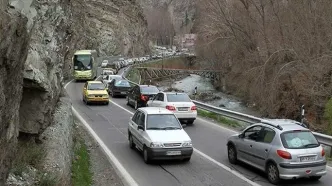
(205, 86)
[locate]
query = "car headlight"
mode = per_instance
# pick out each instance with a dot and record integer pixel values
(90, 95)
(156, 145)
(105, 95)
(187, 144)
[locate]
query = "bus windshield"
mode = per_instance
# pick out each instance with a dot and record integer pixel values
(82, 62)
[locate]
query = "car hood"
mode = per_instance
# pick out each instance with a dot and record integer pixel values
(97, 92)
(168, 136)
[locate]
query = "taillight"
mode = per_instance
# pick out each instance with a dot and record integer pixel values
(323, 152)
(194, 108)
(168, 107)
(284, 154)
(143, 98)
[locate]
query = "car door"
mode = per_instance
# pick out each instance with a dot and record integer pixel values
(156, 101)
(136, 93)
(161, 100)
(133, 127)
(246, 142)
(141, 133)
(85, 90)
(130, 94)
(262, 146)
(111, 86)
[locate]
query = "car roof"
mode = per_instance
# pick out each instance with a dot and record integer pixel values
(94, 82)
(146, 86)
(155, 110)
(284, 124)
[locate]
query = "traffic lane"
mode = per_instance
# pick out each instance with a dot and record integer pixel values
(211, 139)
(110, 123)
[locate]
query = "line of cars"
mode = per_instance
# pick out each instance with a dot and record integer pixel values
(283, 149)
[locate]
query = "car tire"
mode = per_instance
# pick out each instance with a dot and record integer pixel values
(190, 122)
(128, 101)
(186, 159)
(146, 156)
(315, 178)
(106, 103)
(112, 94)
(131, 142)
(136, 105)
(272, 173)
(232, 155)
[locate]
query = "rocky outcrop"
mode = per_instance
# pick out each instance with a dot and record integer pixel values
(13, 51)
(38, 39)
(57, 140)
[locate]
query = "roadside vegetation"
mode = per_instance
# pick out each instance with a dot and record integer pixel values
(220, 119)
(27, 165)
(133, 75)
(81, 173)
(274, 54)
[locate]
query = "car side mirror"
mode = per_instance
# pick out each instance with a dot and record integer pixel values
(140, 127)
(184, 125)
(241, 135)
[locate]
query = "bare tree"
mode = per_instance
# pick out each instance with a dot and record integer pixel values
(274, 53)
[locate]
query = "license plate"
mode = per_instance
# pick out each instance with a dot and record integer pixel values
(307, 158)
(172, 153)
(182, 109)
(123, 92)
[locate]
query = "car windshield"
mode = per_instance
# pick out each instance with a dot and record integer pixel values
(122, 83)
(162, 122)
(300, 139)
(96, 86)
(178, 98)
(149, 90)
(82, 62)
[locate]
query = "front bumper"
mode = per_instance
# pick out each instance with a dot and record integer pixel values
(291, 171)
(161, 153)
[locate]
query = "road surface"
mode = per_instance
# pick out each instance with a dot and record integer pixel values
(209, 164)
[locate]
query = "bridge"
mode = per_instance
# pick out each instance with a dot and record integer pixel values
(149, 73)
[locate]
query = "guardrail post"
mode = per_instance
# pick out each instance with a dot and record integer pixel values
(302, 113)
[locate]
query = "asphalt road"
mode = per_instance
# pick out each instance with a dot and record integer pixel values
(209, 139)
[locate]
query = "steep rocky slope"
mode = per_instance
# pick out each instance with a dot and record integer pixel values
(38, 39)
(181, 12)
(13, 51)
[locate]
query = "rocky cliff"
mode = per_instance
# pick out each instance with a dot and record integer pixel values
(37, 41)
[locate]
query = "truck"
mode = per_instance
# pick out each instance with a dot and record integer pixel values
(85, 64)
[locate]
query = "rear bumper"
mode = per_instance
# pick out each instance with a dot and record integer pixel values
(98, 99)
(290, 171)
(161, 153)
(186, 116)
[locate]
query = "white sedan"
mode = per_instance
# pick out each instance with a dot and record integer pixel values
(179, 103)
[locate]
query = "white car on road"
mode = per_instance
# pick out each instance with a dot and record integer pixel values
(179, 103)
(159, 135)
(108, 78)
(104, 63)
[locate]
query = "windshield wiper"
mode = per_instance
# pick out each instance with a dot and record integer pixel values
(154, 128)
(311, 145)
(170, 128)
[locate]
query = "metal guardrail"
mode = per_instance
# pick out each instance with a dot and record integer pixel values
(322, 138)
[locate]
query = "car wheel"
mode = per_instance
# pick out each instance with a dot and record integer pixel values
(112, 94)
(146, 156)
(232, 156)
(106, 103)
(131, 142)
(315, 178)
(83, 99)
(190, 122)
(186, 159)
(273, 173)
(136, 105)
(128, 101)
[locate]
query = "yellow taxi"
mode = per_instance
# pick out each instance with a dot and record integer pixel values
(95, 91)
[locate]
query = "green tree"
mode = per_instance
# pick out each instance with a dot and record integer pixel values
(328, 116)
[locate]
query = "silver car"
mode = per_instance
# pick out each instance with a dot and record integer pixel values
(284, 149)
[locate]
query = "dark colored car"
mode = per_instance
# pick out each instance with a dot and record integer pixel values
(139, 95)
(118, 87)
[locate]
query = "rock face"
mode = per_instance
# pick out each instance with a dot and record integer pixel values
(13, 52)
(38, 39)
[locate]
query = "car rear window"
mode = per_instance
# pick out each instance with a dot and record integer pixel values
(178, 98)
(122, 83)
(149, 90)
(96, 86)
(162, 121)
(300, 139)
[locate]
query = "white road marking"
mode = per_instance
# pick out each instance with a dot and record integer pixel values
(122, 172)
(239, 175)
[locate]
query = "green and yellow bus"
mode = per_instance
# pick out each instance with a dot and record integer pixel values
(85, 64)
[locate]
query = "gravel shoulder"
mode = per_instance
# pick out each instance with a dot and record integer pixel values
(103, 172)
